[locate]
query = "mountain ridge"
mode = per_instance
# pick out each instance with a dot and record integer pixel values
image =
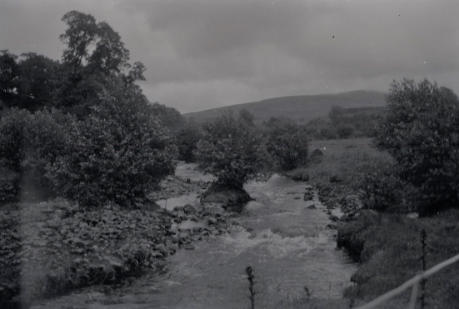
(301, 108)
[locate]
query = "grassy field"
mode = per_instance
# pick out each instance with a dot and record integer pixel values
(338, 172)
(345, 159)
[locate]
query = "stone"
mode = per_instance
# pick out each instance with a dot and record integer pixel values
(334, 218)
(189, 209)
(232, 199)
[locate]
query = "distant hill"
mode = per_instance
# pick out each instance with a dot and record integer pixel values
(300, 108)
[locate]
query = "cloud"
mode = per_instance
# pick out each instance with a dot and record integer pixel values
(207, 53)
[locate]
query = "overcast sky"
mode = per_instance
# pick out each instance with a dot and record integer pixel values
(208, 53)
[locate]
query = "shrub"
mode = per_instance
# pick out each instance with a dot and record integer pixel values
(421, 132)
(287, 143)
(12, 124)
(230, 150)
(187, 139)
(30, 144)
(345, 131)
(119, 153)
(382, 189)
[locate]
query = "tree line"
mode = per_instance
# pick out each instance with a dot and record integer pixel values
(81, 127)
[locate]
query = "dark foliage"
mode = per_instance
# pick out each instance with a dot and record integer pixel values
(104, 142)
(382, 189)
(230, 149)
(421, 132)
(118, 153)
(286, 142)
(187, 139)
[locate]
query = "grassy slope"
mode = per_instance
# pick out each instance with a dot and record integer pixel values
(346, 160)
(389, 245)
(301, 108)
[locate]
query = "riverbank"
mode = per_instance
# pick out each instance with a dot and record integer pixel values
(284, 238)
(388, 247)
(50, 248)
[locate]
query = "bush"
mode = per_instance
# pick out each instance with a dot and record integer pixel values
(230, 150)
(421, 132)
(345, 131)
(12, 124)
(187, 140)
(382, 189)
(287, 143)
(29, 143)
(119, 153)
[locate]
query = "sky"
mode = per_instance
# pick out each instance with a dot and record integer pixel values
(202, 54)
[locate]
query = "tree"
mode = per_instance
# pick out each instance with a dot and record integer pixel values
(286, 142)
(344, 131)
(187, 139)
(39, 81)
(92, 44)
(421, 131)
(230, 150)
(247, 117)
(169, 117)
(119, 152)
(94, 51)
(9, 78)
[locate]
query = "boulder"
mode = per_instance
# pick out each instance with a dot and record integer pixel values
(189, 209)
(230, 198)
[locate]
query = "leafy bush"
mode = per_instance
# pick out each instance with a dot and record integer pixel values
(382, 189)
(421, 132)
(287, 143)
(12, 124)
(345, 131)
(230, 150)
(119, 153)
(62, 246)
(187, 139)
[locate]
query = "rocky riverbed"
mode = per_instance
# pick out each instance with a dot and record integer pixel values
(284, 235)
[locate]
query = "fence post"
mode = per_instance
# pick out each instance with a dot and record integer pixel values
(423, 260)
(414, 296)
(251, 278)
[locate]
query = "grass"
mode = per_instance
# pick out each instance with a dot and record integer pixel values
(388, 246)
(339, 171)
(390, 253)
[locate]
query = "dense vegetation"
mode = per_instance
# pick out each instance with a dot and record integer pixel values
(343, 123)
(286, 142)
(81, 128)
(421, 132)
(230, 148)
(415, 172)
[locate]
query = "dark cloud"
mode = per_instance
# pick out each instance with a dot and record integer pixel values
(206, 53)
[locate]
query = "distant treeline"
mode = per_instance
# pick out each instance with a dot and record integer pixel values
(346, 123)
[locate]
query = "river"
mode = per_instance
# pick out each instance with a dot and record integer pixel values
(283, 238)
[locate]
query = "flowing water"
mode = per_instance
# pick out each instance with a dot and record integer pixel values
(283, 238)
